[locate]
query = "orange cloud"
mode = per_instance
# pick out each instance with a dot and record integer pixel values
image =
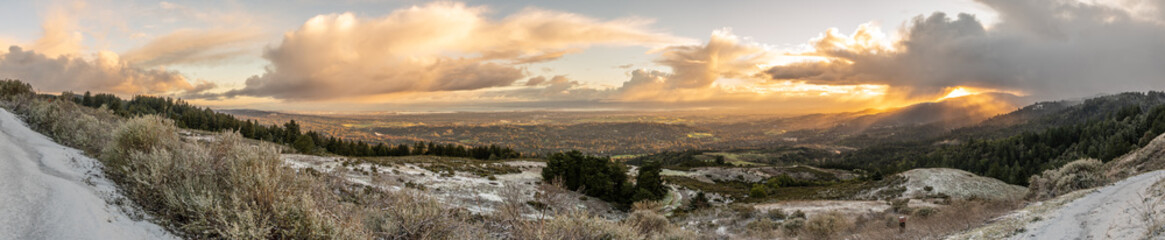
(435, 47)
(105, 72)
(55, 62)
(193, 46)
(60, 35)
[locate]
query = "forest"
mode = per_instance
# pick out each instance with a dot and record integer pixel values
(1106, 128)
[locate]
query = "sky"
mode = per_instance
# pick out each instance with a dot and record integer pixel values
(431, 56)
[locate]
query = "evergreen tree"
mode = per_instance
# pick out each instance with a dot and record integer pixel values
(650, 182)
(304, 144)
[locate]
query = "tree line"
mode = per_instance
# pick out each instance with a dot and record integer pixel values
(189, 116)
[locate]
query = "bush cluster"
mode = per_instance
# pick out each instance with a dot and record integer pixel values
(1076, 175)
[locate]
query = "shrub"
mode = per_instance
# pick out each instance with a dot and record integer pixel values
(700, 201)
(70, 125)
(744, 211)
(758, 191)
(576, 225)
(1076, 175)
(411, 215)
(793, 226)
(648, 222)
(10, 89)
(763, 225)
(925, 212)
(826, 226)
(798, 214)
(776, 214)
(228, 189)
(901, 205)
(646, 205)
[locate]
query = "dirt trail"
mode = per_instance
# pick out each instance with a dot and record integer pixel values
(1112, 212)
(48, 191)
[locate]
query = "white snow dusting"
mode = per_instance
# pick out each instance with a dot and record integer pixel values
(49, 191)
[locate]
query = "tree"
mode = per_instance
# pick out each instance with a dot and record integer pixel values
(292, 131)
(649, 181)
(304, 144)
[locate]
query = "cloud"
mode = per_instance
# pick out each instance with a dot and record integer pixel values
(724, 56)
(193, 46)
(55, 62)
(435, 47)
(694, 69)
(1045, 48)
(60, 35)
(105, 72)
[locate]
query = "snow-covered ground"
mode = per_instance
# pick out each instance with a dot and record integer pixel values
(474, 193)
(1111, 212)
(49, 191)
(951, 182)
(811, 208)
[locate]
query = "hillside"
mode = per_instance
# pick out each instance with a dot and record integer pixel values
(49, 191)
(1132, 207)
(954, 183)
(1103, 128)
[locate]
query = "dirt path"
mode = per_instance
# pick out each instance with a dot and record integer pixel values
(674, 200)
(1112, 212)
(48, 191)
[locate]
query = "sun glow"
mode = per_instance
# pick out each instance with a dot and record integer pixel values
(958, 92)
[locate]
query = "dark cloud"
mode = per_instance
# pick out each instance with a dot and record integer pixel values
(1047, 48)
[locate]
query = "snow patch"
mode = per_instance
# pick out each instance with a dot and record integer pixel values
(49, 191)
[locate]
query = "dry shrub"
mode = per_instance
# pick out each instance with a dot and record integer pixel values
(577, 225)
(1076, 175)
(925, 212)
(743, 211)
(648, 222)
(763, 228)
(776, 214)
(900, 205)
(827, 225)
(959, 216)
(645, 205)
(71, 125)
(797, 214)
(228, 189)
(408, 214)
(793, 226)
